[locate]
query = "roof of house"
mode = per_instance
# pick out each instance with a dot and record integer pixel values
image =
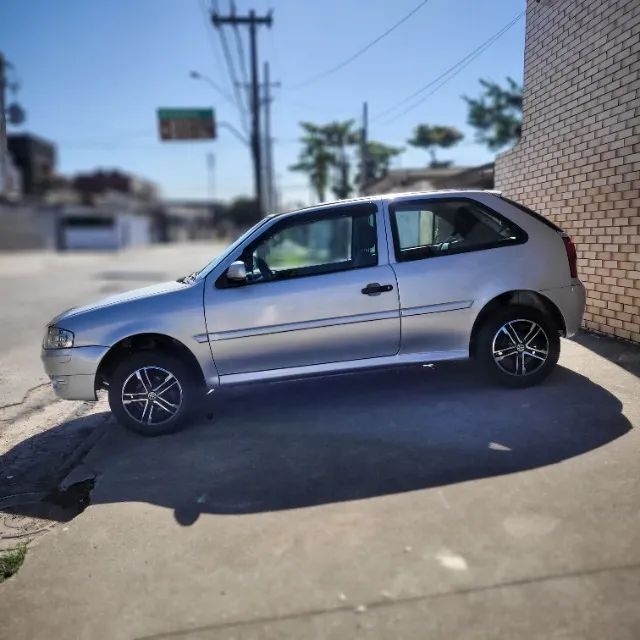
(440, 176)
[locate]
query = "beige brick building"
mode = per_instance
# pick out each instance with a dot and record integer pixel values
(578, 161)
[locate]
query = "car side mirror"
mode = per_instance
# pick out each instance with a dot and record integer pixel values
(237, 272)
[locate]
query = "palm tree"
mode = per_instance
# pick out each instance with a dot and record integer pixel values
(339, 137)
(378, 160)
(315, 159)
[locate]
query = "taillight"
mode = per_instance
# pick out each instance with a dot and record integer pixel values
(572, 255)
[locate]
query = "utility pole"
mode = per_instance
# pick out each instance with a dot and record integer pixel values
(252, 21)
(268, 180)
(211, 174)
(271, 200)
(364, 150)
(4, 151)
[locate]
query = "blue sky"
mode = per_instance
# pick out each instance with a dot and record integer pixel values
(93, 74)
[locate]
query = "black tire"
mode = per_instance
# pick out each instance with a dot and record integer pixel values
(184, 392)
(508, 369)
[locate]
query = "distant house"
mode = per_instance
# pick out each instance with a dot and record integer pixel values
(114, 223)
(109, 209)
(190, 219)
(94, 184)
(35, 158)
(429, 179)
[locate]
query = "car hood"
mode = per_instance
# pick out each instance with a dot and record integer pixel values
(127, 296)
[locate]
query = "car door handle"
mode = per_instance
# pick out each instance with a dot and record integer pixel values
(374, 288)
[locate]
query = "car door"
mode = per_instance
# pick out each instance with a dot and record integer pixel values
(319, 290)
(448, 252)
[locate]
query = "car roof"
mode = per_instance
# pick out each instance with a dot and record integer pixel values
(388, 197)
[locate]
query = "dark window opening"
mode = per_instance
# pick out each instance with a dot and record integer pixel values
(535, 214)
(89, 221)
(431, 228)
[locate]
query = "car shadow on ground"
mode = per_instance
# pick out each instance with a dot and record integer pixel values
(317, 441)
(624, 354)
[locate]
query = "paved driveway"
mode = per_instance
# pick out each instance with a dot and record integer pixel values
(414, 503)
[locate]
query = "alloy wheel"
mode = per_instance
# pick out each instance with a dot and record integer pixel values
(520, 347)
(151, 395)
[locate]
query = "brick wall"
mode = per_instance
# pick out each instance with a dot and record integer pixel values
(578, 161)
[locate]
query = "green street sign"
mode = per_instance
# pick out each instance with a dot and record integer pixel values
(186, 124)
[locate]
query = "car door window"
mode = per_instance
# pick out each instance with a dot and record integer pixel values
(431, 228)
(313, 244)
(303, 246)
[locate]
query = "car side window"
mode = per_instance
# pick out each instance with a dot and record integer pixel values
(431, 228)
(313, 244)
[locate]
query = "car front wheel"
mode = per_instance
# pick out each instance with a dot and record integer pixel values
(518, 346)
(152, 393)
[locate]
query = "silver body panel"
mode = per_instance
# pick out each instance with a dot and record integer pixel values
(171, 309)
(322, 323)
(72, 371)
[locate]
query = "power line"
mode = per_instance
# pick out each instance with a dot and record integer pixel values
(447, 75)
(242, 61)
(252, 22)
(453, 70)
(231, 68)
(236, 95)
(361, 51)
(240, 47)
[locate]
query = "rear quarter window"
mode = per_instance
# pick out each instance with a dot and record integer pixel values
(538, 216)
(431, 228)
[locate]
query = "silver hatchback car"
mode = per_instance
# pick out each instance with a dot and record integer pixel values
(369, 282)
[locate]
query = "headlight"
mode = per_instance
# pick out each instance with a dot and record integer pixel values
(57, 338)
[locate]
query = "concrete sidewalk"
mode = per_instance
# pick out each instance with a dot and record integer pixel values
(397, 504)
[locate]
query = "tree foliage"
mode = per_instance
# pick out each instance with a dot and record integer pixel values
(378, 160)
(340, 138)
(496, 114)
(429, 137)
(315, 158)
(329, 153)
(243, 211)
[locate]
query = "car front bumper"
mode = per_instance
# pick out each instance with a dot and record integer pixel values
(73, 371)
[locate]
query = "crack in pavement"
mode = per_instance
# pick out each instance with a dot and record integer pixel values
(382, 604)
(25, 397)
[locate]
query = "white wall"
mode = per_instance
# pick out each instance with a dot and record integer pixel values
(127, 230)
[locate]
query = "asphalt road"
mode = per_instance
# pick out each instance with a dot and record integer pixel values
(416, 503)
(36, 286)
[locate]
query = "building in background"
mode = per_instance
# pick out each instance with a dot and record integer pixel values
(108, 226)
(97, 210)
(578, 160)
(95, 184)
(111, 210)
(429, 179)
(193, 220)
(35, 159)
(12, 189)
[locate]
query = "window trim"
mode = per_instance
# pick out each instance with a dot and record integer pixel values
(306, 217)
(393, 206)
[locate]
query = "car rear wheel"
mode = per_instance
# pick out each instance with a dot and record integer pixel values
(518, 346)
(152, 393)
